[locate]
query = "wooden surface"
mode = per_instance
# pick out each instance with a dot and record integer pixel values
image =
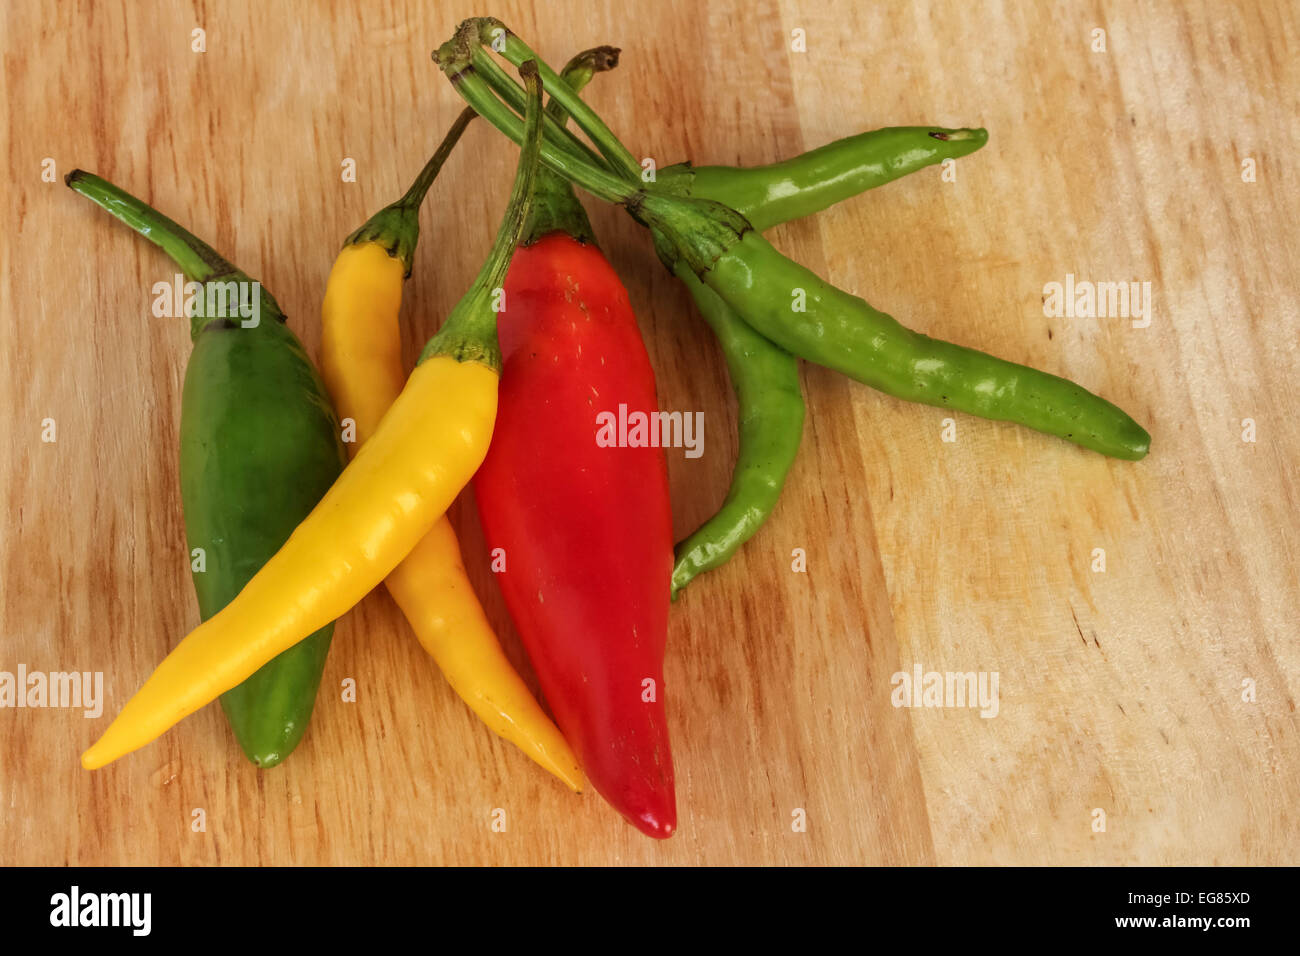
(1120, 691)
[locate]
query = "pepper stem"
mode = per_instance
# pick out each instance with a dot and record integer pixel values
(465, 51)
(555, 208)
(470, 332)
(471, 86)
(396, 227)
(692, 229)
(578, 72)
(197, 260)
(555, 133)
(494, 33)
(415, 195)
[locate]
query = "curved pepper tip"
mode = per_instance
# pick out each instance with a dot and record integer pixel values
(1143, 446)
(109, 747)
(1137, 443)
(656, 818)
(651, 824)
(566, 770)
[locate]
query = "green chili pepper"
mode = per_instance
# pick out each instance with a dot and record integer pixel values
(816, 321)
(771, 412)
(815, 180)
(260, 446)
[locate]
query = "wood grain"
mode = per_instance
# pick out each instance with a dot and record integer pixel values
(1120, 691)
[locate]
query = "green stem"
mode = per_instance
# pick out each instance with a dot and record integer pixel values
(696, 230)
(578, 72)
(490, 29)
(196, 259)
(555, 208)
(493, 273)
(594, 179)
(414, 197)
(514, 96)
(470, 332)
(396, 227)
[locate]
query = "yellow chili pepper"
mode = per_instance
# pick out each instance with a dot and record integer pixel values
(361, 363)
(424, 450)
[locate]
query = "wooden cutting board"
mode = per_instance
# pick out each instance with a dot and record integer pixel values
(1146, 712)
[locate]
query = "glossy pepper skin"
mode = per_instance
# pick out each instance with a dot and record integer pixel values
(845, 333)
(820, 178)
(763, 373)
(586, 530)
(771, 412)
(361, 360)
(259, 446)
(765, 376)
(423, 452)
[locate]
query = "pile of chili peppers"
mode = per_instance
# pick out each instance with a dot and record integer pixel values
(506, 394)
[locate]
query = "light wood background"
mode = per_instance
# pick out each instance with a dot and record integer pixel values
(1120, 691)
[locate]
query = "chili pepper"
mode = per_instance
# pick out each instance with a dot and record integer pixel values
(771, 412)
(361, 360)
(834, 328)
(766, 380)
(843, 332)
(586, 529)
(820, 178)
(423, 452)
(259, 447)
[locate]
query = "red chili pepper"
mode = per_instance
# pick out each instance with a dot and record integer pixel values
(586, 530)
